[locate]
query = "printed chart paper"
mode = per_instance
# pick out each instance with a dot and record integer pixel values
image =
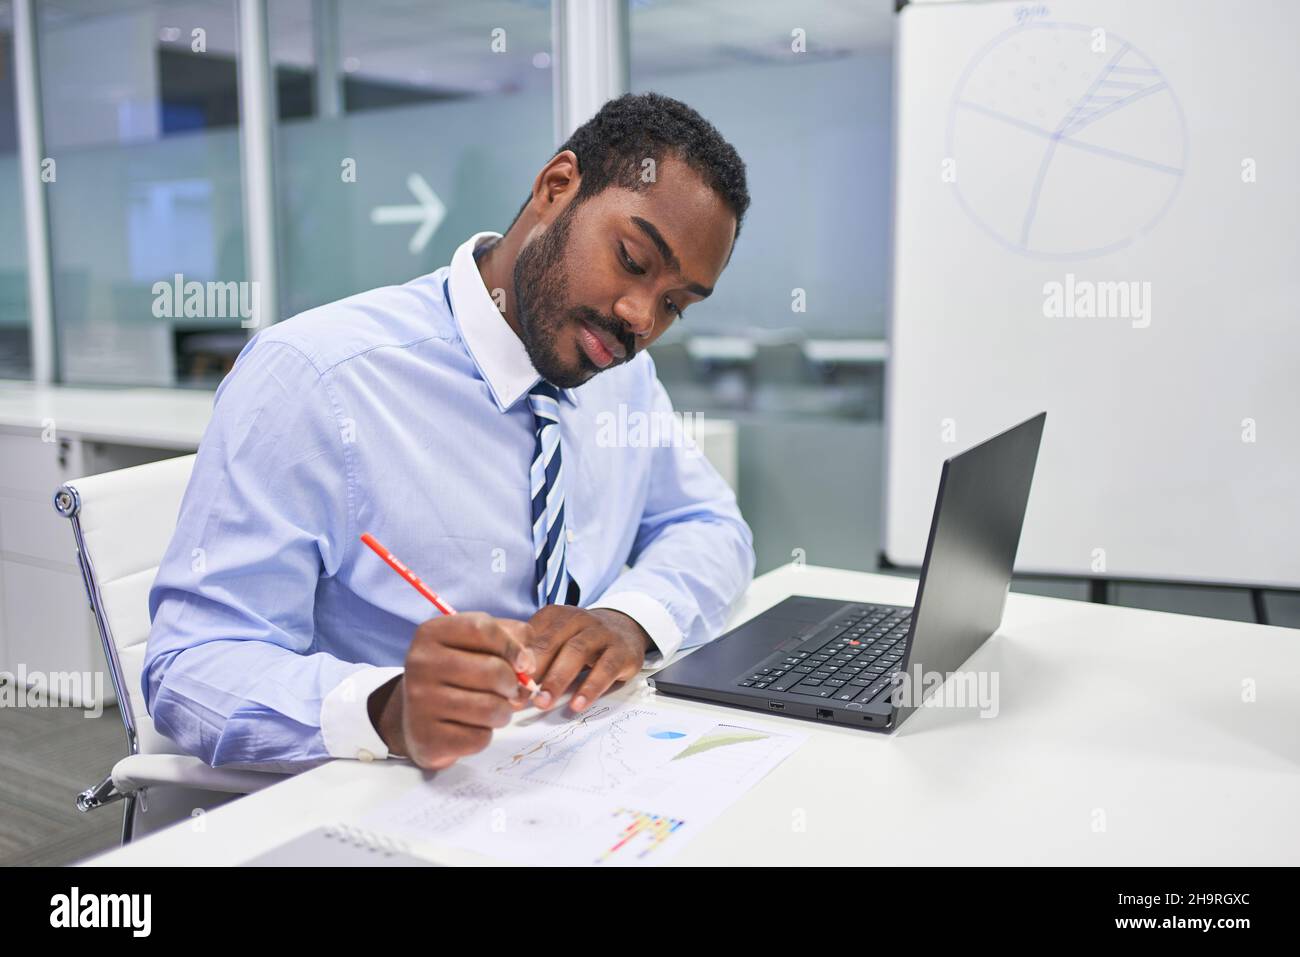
(620, 785)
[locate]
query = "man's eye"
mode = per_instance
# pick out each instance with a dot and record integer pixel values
(632, 267)
(672, 307)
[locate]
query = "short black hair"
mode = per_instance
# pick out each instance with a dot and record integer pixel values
(613, 144)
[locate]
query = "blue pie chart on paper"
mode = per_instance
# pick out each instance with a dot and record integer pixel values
(666, 734)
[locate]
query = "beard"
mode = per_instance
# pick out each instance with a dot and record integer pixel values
(541, 288)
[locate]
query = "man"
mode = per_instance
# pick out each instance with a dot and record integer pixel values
(459, 419)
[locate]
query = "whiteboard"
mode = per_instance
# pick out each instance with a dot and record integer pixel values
(1097, 215)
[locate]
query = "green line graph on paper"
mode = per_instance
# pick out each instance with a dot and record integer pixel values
(721, 737)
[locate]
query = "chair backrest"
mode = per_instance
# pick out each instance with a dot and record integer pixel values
(122, 522)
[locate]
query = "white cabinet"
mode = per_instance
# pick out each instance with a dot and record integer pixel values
(48, 435)
(45, 622)
(46, 625)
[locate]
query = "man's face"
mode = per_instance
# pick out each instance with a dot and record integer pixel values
(609, 275)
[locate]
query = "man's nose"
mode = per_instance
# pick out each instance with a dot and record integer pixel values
(637, 315)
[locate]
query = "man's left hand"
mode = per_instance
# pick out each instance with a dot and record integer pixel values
(567, 639)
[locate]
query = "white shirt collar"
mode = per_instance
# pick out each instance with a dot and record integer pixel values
(496, 350)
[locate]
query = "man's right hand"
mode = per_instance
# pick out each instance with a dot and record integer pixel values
(458, 686)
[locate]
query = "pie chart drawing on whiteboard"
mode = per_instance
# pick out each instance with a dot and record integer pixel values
(1068, 141)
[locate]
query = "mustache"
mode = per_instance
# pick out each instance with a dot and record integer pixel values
(615, 328)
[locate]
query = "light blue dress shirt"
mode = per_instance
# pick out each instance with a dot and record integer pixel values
(394, 413)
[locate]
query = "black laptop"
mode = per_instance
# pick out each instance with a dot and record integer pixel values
(842, 661)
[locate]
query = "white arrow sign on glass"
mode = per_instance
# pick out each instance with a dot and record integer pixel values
(429, 212)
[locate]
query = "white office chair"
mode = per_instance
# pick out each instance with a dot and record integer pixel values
(122, 522)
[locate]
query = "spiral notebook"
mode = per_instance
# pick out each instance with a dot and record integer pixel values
(340, 845)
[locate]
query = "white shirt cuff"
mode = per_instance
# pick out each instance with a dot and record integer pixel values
(651, 616)
(345, 715)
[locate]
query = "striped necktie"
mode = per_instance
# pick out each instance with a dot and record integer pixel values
(554, 586)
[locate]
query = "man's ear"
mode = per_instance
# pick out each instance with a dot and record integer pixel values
(557, 183)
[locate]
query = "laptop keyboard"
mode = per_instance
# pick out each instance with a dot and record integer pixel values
(854, 662)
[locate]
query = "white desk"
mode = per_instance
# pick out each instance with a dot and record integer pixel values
(1137, 715)
(152, 418)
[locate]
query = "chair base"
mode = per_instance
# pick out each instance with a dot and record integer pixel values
(105, 792)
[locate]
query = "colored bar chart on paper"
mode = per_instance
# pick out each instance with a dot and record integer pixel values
(643, 834)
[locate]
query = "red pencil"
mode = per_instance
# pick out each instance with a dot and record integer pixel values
(414, 581)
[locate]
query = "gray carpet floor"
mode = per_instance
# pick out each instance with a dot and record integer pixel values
(47, 757)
